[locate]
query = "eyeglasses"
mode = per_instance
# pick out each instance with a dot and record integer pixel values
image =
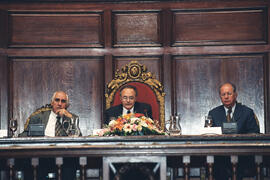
(131, 98)
(224, 94)
(62, 100)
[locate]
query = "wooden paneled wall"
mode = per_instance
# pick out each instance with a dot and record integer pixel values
(191, 47)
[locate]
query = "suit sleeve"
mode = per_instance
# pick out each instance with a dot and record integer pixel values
(210, 113)
(252, 125)
(147, 110)
(107, 117)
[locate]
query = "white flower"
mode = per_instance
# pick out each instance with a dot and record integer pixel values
(139, 127)
(143, 123)
(127, 128)
(100, 132)
(134, 120)
(112, 123)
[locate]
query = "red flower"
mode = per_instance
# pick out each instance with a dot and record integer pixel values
(138, 115)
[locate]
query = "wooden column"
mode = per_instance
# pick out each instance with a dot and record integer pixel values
(83, 163)
(35, 163)
(186, 162)
(11, 163)
(234, 161)
(59, 163)
(210, 162)
(258, 161)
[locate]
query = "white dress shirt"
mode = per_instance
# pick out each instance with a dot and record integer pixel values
(126, 110)
(50, 128)
(226, 111)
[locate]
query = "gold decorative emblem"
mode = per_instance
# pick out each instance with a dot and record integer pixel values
(136, 72)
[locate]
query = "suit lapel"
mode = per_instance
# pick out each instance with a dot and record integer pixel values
(222, 109)
(120, 110)
(135, 107)
(237, 112)
(45, 118)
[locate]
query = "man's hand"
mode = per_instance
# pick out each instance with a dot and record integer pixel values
(63, 112)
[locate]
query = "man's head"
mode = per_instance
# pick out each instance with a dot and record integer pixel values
(59, 101)
(228, 94)
(128, 94)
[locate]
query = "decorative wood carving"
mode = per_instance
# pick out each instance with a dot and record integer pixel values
(136, 72)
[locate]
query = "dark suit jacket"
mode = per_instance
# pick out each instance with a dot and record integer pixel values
(243, 115)
(246, 123)
(42, 118)
(116, 111)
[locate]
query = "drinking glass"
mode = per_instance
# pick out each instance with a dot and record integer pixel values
(13, 123)
(208, 121)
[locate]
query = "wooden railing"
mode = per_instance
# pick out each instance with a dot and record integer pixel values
(90, 151)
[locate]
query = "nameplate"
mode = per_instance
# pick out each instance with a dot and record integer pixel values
(229, 128)
(36, 130)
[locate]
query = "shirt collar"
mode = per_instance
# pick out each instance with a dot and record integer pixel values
(233, 108)
(126, 110)
(54, 114)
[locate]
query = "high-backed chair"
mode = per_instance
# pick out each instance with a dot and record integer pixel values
(150, 90)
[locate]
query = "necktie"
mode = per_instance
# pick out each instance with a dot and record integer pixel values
(229, 115)
(128, 112)
(58, 126)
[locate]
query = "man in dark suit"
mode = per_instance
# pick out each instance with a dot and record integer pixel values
(241, 114)
(50, 114)
(128, 94)
(232, 111)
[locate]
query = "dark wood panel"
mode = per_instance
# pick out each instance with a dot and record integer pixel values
(153, 51)
(153, 64)
(142, 31)
(107, 28)
(205, 27)
(71, 29)
(168, 84)
(136, 29)
(267, 92)
(35, 80)
(198, 79)
(3, 92)
(3, 28)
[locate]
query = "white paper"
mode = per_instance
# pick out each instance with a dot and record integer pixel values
(3, 133)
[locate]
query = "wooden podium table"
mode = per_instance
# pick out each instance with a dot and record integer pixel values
(155, 149)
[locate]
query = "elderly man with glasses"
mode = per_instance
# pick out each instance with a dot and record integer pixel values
(233, 112)
(128, 95)
(55, 118)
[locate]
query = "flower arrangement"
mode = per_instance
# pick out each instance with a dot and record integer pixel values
(130, 125)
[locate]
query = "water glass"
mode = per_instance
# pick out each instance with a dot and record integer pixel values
(208, 121)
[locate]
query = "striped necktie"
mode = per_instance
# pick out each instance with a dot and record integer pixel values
(58, 126)
(229, 115)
